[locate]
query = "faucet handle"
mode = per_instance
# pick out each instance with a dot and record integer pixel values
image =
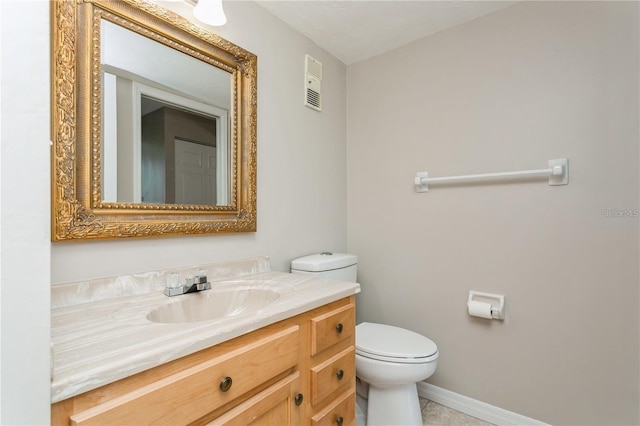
(173, 280)
(199, 279)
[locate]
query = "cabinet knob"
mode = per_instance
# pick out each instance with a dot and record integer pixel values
(339, 327)
(298, 399)
(225, 384)
(339, 420)
(340, 374)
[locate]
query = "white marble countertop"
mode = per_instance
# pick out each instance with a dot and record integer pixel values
(105, 335)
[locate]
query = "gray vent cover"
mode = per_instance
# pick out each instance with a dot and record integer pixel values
(312, 83)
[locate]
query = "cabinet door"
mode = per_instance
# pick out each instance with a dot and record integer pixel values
(273, 406)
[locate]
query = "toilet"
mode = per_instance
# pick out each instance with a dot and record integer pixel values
(389, 360)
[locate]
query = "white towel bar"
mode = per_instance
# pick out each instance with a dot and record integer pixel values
(558, 172)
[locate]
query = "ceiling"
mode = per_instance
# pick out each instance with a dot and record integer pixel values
(355, 30)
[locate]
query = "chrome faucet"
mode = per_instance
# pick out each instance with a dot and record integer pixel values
(191, 285)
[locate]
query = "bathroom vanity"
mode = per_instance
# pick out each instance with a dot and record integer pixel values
(291, 361)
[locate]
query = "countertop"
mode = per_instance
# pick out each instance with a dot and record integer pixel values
(101, 339)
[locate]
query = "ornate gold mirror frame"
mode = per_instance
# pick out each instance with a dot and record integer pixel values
(78, 209)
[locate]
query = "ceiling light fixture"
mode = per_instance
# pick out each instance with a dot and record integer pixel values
(210, 12)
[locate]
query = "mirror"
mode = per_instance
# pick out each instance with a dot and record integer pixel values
(154, 124)
(164, 133)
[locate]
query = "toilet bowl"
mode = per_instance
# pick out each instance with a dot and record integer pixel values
(389, 360)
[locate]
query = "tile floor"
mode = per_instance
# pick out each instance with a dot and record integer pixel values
(436, 414)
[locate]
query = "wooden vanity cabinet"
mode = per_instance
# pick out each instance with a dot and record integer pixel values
(299, 371)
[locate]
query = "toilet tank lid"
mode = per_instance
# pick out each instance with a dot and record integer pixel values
(325, 261)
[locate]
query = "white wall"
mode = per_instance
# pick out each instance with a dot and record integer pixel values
(24, 212)
(301, 166)
(508, 91)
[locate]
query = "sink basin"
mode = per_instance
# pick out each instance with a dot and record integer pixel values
(213, 304)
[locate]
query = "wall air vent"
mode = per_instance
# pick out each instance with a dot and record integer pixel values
(312, 83)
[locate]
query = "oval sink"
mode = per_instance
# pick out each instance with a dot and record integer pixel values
(213, 304)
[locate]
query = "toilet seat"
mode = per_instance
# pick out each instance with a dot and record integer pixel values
(393, 344)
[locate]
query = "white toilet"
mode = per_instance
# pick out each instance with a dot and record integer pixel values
(389, 360)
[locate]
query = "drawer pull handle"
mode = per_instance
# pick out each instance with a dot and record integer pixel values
(298, 399)
(339, 328)
(339, 421)
(225, 384)
(340, 374)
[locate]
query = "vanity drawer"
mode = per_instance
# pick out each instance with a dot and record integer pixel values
(331, 328)
(329, 376)
(188, 395)
(341, 412)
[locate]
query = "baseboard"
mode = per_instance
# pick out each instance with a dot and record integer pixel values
(473, 407)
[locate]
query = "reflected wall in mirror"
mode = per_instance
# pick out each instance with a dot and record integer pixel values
(154, 124)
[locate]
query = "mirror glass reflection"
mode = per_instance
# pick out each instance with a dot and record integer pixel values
(165, 123)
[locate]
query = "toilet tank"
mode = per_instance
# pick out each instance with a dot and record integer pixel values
(335, 266)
